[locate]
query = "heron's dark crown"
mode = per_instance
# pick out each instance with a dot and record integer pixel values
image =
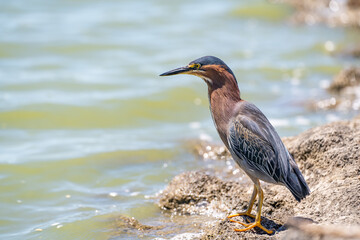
(208, 60)
(211, 60)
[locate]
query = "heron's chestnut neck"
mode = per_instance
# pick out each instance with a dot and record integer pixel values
(224, 94)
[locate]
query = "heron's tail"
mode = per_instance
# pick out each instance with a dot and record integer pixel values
(296, 183)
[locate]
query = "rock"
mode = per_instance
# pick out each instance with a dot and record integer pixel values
(309, 230)
(352, 52)
(346, 78)
(130, 226)
(328, 157)
(128, 223)
(207, 150)
(343, 13)
(345, 91)
(197, 192)
(200, 193)
(217, 155)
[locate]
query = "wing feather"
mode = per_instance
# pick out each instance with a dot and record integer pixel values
(254, 140)
(258, 149)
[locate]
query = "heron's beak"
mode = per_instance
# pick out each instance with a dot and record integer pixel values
(180, 70)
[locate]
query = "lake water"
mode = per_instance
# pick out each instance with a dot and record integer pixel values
(90, 132)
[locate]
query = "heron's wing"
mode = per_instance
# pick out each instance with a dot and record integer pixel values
(257, 143)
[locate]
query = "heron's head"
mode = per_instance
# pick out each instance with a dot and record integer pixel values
(212, 69)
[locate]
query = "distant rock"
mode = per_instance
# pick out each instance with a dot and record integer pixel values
(345, 91)
(335, 13)
(349, 77)
(352, 51)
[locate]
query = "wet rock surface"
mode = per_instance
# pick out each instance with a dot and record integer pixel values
(328, 157)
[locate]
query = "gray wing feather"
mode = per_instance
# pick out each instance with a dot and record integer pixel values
(257, 152)
(254, 140)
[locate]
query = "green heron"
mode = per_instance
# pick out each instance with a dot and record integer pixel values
(249, 136)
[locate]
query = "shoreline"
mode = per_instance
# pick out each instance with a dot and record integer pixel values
(327, 155)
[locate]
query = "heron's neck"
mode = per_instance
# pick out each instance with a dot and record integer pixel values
(224, 94)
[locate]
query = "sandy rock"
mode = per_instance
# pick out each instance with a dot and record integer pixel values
(329, 158)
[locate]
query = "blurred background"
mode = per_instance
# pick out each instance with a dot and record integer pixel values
(90, 132)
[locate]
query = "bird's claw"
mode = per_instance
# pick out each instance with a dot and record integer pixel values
(255, 224)
(241, 214)
(250, 225)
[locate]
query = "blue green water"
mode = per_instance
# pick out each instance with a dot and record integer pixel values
(89, 131)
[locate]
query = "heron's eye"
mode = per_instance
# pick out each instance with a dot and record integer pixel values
(195, 66)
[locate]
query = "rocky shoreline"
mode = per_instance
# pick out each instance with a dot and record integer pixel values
(329, 158)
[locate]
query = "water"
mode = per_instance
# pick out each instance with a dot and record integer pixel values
(89, 132)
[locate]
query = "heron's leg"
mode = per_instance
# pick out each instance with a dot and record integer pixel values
(257, 222)
(248, 211)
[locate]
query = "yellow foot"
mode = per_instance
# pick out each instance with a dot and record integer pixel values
(241, 214)
(255, 224)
